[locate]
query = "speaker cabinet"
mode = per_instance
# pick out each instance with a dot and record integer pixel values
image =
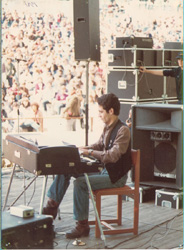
(165, 147)
(169, 58)
(131, 85)
(170, 88)
(173, 45)
(132, 41)
(157, 132)
(134, 58)
(86, 30)
(125, 58)
(152, 58)
(125, 108)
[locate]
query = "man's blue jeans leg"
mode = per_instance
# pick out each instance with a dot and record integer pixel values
(81, 194)
(58, 188)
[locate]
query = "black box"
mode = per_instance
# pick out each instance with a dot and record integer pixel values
(131, 85)
(172, 45)
(132, 41)
(146, 193)
(169, 198)
(169, 58)
(170, 88)
(27, 233)
(86, 30)
(134, 58)
(123, 58)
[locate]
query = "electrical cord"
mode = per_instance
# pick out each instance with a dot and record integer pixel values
(167, 232)
(147, 84)
(133, 237)
(124, 58)
(172, 219)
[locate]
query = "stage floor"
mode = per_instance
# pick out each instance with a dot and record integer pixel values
(159, 227)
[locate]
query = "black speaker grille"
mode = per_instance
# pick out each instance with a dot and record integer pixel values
(165, 157)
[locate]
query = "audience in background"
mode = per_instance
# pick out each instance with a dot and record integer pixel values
(44, 46)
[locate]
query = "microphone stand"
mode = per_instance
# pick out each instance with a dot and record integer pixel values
(18, 111)
(18, 83)
(87, 102)
(18, 120)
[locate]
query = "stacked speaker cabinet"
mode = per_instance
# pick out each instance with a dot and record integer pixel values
(156, 118)
(126, 81)
(170, 52)
(157, 132)
(130, 85)
(134, 58)
(86, 30)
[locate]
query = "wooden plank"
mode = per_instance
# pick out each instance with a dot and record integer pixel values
(159, 227)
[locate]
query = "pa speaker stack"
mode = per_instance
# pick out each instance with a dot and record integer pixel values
(157, 132)
(132, 87)
(156, 119)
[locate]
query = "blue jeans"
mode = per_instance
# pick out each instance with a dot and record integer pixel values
(80, 193)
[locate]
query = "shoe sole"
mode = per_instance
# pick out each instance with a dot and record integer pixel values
(70, 236)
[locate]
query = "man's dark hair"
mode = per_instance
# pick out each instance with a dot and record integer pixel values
(109, 101)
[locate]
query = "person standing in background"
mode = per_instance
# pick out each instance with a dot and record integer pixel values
(177, 73)
(129, 120)
(10, 71)
(71, 112)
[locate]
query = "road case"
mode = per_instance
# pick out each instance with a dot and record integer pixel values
(134, 58)
(27, 233)
(169, 198)
(131, 85)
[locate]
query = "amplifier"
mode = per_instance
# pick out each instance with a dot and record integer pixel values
(134, 58)
(170, 88)
(131, 85)
(132, 41)
(22, 233)
(173, 45)
(169, 58)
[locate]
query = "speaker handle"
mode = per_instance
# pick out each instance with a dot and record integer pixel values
(81, 19)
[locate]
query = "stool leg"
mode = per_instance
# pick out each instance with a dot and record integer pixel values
(119, 209)
(136, 214)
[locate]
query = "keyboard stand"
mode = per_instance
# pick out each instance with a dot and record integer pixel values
(9, 187)
(95, 210)
(43, 193)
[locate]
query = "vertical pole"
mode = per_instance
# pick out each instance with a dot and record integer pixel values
(18, 110)
(87, 102)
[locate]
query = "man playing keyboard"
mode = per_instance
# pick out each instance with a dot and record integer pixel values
(113, 150)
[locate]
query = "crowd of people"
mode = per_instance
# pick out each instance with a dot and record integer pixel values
(40, 76)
